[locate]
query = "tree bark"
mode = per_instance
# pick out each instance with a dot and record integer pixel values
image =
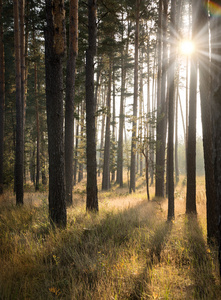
(92, 198)
(69, 104)
(19, 157)
(191, 144)
(2, 99)
(106, 165)
(54, 53)
(134, 126)
(159, 180)
(215, 25)
(205, 84)
(170, 157)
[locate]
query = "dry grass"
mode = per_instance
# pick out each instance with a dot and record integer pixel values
(127, 251)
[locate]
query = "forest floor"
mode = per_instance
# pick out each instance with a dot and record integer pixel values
(127, 251)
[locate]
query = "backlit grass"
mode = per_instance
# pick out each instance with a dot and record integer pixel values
(127, 251)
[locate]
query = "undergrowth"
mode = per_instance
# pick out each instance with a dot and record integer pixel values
(128, 252)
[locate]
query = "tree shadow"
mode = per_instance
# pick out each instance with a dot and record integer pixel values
(106, 240)
(201, 263)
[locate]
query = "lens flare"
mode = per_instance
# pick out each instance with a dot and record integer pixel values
(187, 47)
(213, 8)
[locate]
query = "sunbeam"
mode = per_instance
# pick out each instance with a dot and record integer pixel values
(187, 47)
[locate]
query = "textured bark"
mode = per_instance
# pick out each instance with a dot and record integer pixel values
(170, 158)
(106, 165)
(216, 112)
(54, 52)
(92, 198)
(204, 74)
(76, 153)
(121, 126)
(113, 130)
(176, 140)
(191, 148)
(69, 104)
(38, 134)
(19, 155)
(159, 180)
(134, 126)
(2, 99)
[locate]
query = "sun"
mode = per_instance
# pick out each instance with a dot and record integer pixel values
(187, 47)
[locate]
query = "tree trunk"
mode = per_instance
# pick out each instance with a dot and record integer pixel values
(134, 126)
(113, 130)
(69, 104)
(204, 74)
(176, 138)
(38, 133)
(92, 198)
(191, 148)
(54, 52)
(215, 25)
(102, 133)
(19, 159)
(121, 125)
(2, 99)
(170, 156)
(76, 152)
(159, 180)
(106, 166)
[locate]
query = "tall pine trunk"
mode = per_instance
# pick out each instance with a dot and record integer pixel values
(134, 124)
(69, 104)
(92, 198)
(2, 99)
(54, 53)
(205, 84)
(19, 156)
(170, 156)
(191, 144)
(106, 165)
(215, 25)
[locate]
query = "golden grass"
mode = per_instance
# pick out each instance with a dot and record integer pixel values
(127, 251)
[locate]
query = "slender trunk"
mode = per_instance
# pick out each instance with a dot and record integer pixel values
(38, 133)
(113, 129)
(69, 104)
(134, 126)
(19, 160)
(106, 166)
(92, 198)
(2, 99)
(76, 152)
(176, 138)
(191, 148)
(170, 156)
(102, 135)
(159, 180)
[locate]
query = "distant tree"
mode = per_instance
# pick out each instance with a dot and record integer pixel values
(106, 165)
(2, 99)
(69, 104)
(134, 123)
(54, 53)
(92, 198)
(19, 160)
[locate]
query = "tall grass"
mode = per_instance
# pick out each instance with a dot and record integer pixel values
(127, 251)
